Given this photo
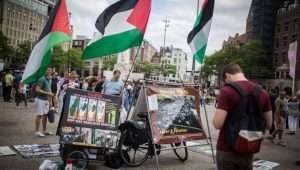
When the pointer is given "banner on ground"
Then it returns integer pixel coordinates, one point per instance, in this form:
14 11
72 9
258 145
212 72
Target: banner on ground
174 113
89 119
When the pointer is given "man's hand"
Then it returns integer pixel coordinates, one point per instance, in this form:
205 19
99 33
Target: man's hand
50 94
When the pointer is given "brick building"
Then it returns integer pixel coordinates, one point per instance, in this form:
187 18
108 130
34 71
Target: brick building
287 30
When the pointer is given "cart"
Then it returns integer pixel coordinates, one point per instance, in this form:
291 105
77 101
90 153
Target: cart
88 129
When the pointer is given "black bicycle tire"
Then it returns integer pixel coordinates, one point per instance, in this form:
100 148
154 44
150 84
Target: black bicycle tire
87 158
124 158
186 153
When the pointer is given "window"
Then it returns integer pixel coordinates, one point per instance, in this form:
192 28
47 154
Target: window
286 26
278 28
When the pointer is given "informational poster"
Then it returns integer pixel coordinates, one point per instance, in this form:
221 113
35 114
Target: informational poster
89 119
176 118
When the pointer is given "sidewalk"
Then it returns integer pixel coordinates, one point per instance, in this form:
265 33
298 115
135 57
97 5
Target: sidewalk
16 127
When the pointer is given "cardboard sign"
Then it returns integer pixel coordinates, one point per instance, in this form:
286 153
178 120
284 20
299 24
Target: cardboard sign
90 119
176 118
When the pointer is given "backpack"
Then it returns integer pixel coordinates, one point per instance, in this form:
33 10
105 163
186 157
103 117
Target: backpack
245 125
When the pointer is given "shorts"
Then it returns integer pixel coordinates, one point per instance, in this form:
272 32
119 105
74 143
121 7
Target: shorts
42 107
280 122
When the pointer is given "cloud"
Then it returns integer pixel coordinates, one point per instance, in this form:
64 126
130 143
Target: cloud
229 18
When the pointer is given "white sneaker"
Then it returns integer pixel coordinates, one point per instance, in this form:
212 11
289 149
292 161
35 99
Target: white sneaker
39 134
48 133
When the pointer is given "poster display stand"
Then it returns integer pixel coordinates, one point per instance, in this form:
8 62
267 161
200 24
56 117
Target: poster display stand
174 114
90 119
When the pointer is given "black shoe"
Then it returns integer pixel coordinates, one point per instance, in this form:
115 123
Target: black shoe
298 163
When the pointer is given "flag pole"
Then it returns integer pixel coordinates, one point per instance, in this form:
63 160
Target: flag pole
194 60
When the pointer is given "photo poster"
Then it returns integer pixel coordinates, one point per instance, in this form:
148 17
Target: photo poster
89 119
175 114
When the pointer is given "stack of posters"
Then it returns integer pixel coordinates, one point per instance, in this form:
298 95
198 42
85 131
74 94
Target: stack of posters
264 165
37 150
6 151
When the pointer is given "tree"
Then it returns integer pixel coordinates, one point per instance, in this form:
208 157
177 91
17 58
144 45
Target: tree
6 51
252 57
22 54
110 63
61 60
169 69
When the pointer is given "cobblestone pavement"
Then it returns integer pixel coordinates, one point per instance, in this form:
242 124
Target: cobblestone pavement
16 127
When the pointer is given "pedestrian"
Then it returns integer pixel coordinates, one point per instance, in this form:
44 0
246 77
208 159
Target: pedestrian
8 83
21 94
293 115
70 81
99 86
273 97
92 83
54 90
43 101
113 86
280 118
229 103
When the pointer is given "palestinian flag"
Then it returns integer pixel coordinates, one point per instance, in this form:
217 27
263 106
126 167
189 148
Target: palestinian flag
198 37
122 25
56 31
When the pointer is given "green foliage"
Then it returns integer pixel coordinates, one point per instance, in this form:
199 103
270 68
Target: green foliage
252 57
61 59
22 54
6 51
143 67
169 69
110 63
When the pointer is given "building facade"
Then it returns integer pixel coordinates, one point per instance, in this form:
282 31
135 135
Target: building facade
287 30
22 20
261 21
146 53
235 42
176 57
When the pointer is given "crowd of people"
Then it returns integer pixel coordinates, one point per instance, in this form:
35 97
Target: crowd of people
49 91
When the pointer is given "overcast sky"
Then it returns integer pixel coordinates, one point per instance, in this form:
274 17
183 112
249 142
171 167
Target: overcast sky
229 18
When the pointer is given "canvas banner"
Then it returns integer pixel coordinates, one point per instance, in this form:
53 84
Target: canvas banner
175 114
293 58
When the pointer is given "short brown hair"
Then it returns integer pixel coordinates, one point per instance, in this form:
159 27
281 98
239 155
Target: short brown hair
117 71
231 69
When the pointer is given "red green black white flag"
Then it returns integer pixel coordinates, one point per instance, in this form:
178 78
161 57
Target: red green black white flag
122 26
56 31
198 37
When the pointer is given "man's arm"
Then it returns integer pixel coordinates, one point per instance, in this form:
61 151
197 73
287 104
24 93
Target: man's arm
39 90
219 118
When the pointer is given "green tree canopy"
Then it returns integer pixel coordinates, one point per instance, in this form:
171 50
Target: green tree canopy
109 64
252 57
61 59
6 51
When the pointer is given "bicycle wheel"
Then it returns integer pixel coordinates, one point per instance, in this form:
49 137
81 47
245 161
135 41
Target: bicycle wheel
79 159
181 153
132 154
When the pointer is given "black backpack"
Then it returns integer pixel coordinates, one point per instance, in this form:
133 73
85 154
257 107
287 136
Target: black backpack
245 125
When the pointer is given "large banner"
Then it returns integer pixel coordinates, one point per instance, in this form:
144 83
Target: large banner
89 119
174 113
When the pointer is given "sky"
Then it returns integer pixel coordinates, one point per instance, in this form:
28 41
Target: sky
229 18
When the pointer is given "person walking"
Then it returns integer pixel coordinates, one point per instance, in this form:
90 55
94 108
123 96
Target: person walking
21 94
228 107
54 90
280 118
8 84
43 101
293 115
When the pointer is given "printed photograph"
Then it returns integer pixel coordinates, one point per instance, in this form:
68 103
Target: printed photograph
100 114
73 107
86 135
83 107
91 116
